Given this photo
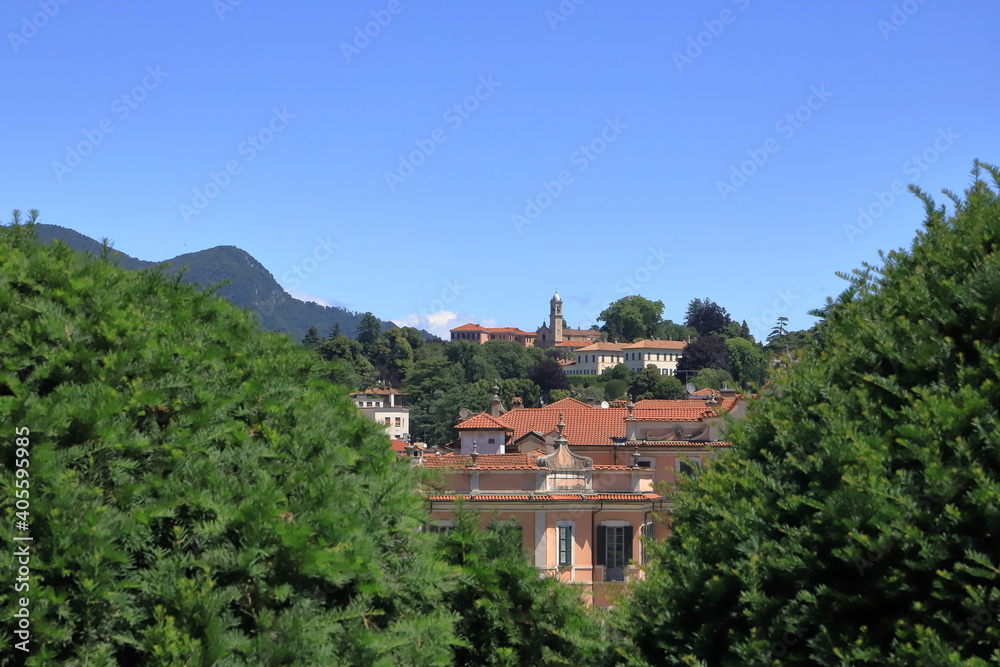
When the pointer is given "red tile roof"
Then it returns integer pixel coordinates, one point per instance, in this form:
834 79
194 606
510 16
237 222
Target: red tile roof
692 413
602 347
469 327
548 497
584 425
725 405
398 445
513 461
582 332
513 330
649 344
484 422
565 403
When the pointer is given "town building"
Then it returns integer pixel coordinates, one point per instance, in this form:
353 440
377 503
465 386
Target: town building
579 479
385 407
475 333
599 357
555 334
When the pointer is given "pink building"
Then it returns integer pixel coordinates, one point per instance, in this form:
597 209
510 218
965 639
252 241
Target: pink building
578 479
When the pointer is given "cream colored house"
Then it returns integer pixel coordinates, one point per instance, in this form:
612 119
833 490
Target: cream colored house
663 354
385 407
595 359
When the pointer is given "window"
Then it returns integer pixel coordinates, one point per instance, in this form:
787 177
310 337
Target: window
565 544
386 421
440 527
614 550
399 421
689 465
491 441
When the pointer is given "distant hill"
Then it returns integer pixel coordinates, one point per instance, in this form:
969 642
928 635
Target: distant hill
250 284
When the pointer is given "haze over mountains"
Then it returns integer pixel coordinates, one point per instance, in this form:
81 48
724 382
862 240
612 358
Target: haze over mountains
250 284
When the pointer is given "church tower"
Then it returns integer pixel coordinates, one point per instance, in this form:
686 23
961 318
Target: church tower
556 318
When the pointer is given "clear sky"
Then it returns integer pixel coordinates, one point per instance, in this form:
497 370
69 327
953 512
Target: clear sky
439 163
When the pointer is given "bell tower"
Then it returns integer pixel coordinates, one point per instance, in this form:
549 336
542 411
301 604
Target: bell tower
556 318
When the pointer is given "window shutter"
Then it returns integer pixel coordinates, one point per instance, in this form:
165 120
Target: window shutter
628 543
602 540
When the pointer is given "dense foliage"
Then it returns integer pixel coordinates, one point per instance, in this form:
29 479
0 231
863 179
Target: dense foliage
508 615
858 519
197 495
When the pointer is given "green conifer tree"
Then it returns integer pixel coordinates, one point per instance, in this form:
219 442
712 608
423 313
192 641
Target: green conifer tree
857 519
198 496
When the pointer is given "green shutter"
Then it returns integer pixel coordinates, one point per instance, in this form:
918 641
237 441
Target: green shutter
602 534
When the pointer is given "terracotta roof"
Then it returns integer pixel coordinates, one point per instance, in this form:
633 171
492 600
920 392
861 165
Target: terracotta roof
469 327
566 403
548 497
656 345
483 422
661 403
680 443
514 461
692 414
584 425
397 445
602 347
574 343
513 330
725 405
581 332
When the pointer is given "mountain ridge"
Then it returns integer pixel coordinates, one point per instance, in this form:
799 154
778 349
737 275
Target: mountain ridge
250 284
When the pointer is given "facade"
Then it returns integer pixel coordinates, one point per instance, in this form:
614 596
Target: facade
664 354
385 406
595 359
599 357
578 479
554 334
479 335
582 522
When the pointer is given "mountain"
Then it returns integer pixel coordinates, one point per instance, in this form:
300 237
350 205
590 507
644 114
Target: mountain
250 285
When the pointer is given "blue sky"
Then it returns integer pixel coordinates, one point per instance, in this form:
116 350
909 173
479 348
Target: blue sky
439 163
